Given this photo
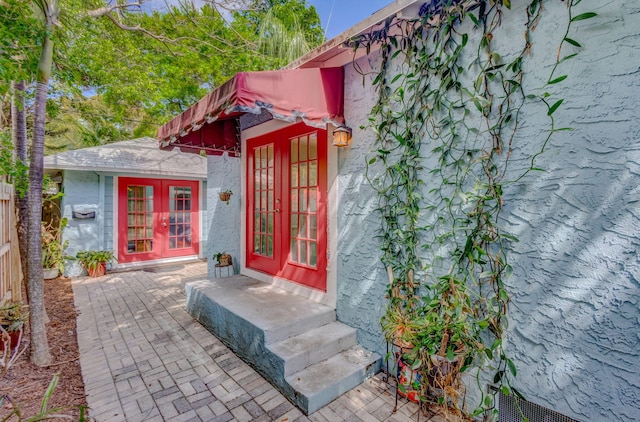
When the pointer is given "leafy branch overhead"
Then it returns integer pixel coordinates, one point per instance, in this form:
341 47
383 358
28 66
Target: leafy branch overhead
121 70
453 94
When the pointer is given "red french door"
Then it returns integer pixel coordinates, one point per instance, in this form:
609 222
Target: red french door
287 205
157 218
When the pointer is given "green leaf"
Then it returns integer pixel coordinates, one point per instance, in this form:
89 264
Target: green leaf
572 41
570 56
497 377
503 295
583 16
474 19
554 107
48 394
417 364
373 160
507 3
517 393
450 354
510 237
512 367
558 79
485 274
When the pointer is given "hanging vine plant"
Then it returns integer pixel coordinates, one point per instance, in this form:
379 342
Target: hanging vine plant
448 111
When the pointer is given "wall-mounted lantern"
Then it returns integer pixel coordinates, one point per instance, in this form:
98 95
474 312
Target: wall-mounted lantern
341 136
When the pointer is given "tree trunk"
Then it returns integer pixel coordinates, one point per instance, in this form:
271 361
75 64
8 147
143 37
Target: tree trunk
40 354
19 117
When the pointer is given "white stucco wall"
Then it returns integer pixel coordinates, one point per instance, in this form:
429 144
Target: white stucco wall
223 221
574 319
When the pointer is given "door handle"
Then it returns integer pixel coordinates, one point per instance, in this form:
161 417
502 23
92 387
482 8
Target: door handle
276 210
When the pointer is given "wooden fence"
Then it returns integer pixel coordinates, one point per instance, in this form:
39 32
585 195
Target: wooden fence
10 272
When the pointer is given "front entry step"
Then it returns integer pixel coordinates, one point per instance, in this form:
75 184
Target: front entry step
303 350
293 342
321 383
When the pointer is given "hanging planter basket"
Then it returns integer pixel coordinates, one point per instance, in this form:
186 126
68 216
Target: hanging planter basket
225 196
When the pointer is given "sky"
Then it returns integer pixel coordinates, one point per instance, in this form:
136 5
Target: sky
340 15
336 15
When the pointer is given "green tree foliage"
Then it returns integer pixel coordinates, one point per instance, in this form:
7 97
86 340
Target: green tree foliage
110 84
20 35
144 79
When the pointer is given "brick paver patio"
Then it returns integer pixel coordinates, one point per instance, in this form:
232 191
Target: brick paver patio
144 358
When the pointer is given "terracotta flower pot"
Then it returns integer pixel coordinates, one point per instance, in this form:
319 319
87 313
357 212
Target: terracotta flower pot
98 271
14 336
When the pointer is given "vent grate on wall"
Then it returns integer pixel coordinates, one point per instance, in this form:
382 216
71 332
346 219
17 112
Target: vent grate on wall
512 409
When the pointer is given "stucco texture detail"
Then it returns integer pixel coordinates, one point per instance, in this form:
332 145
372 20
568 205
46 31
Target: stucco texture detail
361 277
573 320
81 193
109 224
222 220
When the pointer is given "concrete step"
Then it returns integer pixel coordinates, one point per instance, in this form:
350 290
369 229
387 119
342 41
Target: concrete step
320 384
313 346
276 313
295 343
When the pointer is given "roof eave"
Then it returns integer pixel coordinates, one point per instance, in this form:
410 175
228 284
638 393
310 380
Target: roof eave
333 53
120 170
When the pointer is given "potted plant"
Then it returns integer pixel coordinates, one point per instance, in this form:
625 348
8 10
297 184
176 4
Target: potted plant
225 195
95 262
13 315
223 259
53 255
448 340
435 337
400 328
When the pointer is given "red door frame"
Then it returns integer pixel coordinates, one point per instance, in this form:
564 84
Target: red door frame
281 265
160 218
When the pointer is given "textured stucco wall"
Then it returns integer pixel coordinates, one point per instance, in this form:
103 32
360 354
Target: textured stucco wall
361 277
222 221
81 193
108 214
574 318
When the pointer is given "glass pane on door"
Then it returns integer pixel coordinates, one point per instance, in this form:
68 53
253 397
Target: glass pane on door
179 217
264 197
139 219
303 199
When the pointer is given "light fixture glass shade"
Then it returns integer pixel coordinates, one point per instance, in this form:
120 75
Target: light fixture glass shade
341 136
